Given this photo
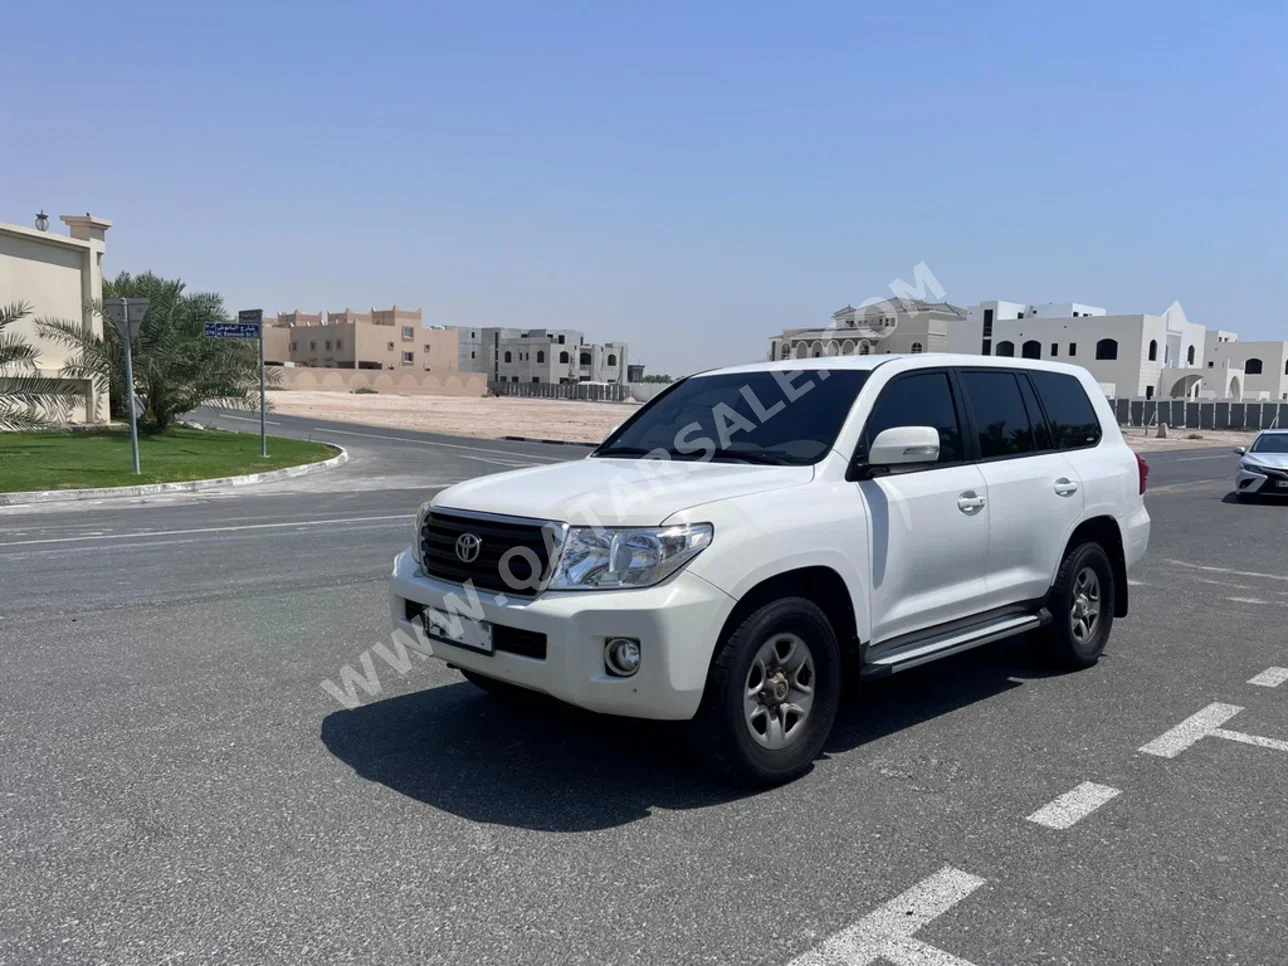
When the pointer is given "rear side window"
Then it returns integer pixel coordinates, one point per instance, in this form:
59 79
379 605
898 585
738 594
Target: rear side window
1001 419
1072 417
920 399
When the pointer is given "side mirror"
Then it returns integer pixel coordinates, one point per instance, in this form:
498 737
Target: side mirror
905 446
898 446
1240 451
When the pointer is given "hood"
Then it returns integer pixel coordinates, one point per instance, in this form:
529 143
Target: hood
1278 461
615 492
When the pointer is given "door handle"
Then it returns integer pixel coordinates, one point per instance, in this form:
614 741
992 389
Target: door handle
970 501
1065 486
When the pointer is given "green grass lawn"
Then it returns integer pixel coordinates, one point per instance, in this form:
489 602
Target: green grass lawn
82 460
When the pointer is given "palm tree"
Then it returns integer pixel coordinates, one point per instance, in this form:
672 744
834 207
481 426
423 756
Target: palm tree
176 368
28 400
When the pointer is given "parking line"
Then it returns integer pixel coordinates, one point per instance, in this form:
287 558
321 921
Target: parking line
1271 677
1191 459
1073 806
136 534
1226 570
886 933
1204 724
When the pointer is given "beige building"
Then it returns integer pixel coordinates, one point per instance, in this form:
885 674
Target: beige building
891 325
380 339
58 276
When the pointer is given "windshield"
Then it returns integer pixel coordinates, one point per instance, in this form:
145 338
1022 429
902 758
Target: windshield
1271 443
777 417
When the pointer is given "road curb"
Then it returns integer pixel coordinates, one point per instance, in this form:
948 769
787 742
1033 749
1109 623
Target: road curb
552 442
186 486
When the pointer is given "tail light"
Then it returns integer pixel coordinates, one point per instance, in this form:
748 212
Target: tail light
1143 468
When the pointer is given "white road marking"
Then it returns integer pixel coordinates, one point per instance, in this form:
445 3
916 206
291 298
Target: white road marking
1227 570
1271 677
1191 459
1247 600
136 534
886 933
1206 723
1073 806
250 419
1190 485
426 442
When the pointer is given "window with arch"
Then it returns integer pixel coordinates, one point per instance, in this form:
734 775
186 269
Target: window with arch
612 359
865 349
563 357
1107 349
541 355
1031 349
1153 350
1189 356
585 358
1005 349
1252 367
916 347
508 357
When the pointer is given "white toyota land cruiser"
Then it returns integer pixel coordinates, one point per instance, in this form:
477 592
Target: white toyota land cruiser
756 533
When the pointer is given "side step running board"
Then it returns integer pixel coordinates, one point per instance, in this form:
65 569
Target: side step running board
953 642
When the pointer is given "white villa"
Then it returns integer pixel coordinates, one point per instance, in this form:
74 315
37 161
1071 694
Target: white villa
1135 356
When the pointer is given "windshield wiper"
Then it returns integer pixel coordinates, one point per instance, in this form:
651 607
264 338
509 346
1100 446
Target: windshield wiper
739 456
622 451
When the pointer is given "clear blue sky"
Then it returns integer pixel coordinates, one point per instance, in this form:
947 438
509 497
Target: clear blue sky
688 177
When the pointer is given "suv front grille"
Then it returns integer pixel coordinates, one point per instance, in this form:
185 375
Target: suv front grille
440 530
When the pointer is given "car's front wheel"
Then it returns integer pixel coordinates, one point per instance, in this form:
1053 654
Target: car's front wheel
1082 606
771 695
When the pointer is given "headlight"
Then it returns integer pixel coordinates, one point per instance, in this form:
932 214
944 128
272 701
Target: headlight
415 535
1251 467
604 558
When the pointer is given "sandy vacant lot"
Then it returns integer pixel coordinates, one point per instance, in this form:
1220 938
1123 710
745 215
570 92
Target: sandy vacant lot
582 421
460 416
1146 441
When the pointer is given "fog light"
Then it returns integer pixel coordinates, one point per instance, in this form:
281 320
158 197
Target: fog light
622 655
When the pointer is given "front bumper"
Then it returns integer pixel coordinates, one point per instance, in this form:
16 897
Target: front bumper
677 624
1270 483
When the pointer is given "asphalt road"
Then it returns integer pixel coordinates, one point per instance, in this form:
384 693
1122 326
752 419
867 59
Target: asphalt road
177 786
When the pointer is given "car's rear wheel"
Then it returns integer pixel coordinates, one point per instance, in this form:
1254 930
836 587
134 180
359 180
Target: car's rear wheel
1082 606
771 695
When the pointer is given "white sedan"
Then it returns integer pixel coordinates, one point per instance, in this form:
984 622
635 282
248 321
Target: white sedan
1263 471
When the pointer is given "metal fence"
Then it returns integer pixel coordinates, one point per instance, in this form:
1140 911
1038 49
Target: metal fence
587 391
1201 414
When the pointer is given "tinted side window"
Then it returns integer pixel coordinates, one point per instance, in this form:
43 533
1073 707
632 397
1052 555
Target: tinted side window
1041 432
921 399
1073 418
1001 420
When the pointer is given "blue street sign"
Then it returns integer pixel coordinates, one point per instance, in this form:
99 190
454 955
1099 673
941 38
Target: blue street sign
232 330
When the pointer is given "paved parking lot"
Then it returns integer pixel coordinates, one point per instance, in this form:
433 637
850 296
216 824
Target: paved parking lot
178 785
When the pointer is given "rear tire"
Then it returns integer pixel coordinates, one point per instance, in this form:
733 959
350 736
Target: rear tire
771 695
1082 607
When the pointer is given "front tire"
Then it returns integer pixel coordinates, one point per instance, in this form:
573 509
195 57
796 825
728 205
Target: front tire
771 695
1082 607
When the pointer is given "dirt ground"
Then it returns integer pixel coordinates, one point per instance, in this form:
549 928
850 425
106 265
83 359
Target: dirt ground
458 415
1146 441
581 421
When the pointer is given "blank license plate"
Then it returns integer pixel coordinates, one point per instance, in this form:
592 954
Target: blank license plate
458 630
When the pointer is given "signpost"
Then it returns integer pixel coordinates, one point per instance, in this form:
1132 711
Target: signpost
249 325
126 315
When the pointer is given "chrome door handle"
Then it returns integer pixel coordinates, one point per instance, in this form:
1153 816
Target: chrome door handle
970 500
1065 486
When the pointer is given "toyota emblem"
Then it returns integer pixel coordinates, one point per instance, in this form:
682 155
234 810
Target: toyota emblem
468 547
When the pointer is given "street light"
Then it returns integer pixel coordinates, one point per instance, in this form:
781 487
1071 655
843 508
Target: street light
42 221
